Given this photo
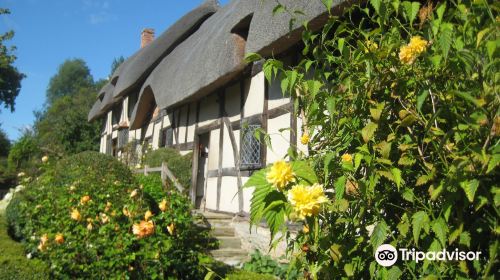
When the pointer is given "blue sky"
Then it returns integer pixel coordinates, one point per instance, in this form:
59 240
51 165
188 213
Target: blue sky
51 31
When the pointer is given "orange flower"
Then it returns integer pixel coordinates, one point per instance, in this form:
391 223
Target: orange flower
143 229
75 215
171 228
84 199
163 205
59 238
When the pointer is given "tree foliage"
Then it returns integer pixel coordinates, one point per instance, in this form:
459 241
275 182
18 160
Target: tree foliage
401 102
10 77
72 76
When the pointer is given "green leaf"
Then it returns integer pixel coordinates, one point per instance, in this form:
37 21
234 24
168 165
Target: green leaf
331 105
278 9
252 57
368 131
210 275
379 234
445 38
418 220
340 187
411 10
470 188
341 42
408 195
422 180
440 228
481 34
326 164
466 96
421 99
349 269
491 47
406 161
455 234
494 161
394 273
335 253
304 172
357 160
396 173
465 239
328 4
376 5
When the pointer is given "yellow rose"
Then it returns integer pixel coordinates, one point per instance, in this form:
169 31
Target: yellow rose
370 46
280 175
125 211
104 218
347 158
163 205
305 229
75 215
410 52
148 215
59 238
90 227
133 193
84 199
307 200
21 174
171 229
305 139
143 229
45 159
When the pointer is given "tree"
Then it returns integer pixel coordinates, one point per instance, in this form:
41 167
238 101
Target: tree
72 76
4 143
116 62
10 77
64 128
23 152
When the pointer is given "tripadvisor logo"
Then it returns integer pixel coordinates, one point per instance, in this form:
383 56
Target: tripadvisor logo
387 255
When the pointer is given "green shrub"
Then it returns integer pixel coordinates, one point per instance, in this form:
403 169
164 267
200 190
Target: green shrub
90 208
247 275
15 216
151 184
179 165
13 262
265 264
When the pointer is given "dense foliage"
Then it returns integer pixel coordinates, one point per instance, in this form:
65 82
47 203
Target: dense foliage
72 76
88 217
10 77
401 115
179 165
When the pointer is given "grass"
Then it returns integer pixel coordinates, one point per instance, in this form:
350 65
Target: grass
13 261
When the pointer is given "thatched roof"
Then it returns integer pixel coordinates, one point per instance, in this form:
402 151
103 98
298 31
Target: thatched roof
138 68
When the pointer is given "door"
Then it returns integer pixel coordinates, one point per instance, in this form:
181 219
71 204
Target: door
202 170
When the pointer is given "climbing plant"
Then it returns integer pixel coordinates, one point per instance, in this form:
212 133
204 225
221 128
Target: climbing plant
400 105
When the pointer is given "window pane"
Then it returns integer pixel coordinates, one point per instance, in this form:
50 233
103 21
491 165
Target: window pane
250 147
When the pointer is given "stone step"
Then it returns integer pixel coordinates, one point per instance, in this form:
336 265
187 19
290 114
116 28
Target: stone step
219 222
223 231
216 216
229 253
229 243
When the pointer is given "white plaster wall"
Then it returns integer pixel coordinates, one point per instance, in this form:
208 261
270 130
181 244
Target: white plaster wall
182 125
102 147
229 195
247 195
213 150
254 102
167 120
280 141
114 134
276 97
149 130
232 102
156 135
185 152
109 122
209 110
124 116
227 152
211 193
192 123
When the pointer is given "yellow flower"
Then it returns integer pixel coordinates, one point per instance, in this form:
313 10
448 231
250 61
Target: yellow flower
21 174
305 229
44 239
90 226
125 211
84 199
45 159
347 158
104 218
72 188
171 228
163 205
305 139
410 52
280 175
133 193
148 215
143 229
59 238
75 215
306 200
370 46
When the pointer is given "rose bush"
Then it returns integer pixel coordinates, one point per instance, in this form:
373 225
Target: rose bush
88 217
400 107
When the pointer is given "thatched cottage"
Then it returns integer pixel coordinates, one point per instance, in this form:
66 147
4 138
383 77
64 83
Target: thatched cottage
191 89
